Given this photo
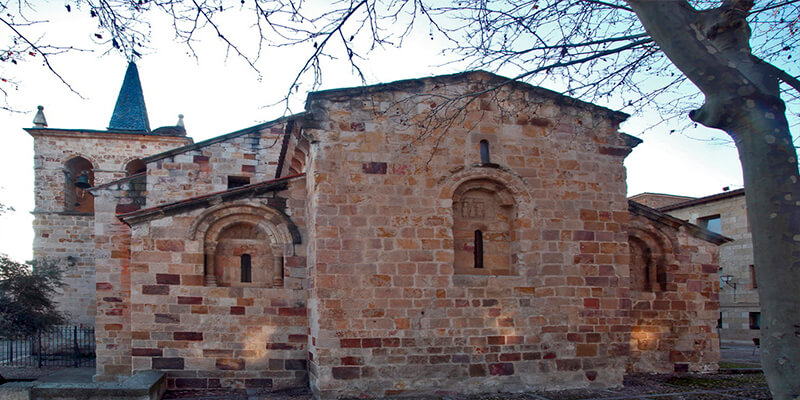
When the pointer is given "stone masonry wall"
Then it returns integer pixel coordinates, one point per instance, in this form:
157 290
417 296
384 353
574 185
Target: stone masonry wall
207 337
736 259
206 169
388 314
66 237
674 324
113 276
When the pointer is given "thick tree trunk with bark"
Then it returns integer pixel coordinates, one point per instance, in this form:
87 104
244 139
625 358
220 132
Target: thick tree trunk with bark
742 98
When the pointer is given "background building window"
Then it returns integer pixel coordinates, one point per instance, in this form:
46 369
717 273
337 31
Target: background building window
753 276
755 320
712 223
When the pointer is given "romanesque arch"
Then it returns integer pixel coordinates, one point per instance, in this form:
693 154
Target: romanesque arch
244 244
651 252
78 176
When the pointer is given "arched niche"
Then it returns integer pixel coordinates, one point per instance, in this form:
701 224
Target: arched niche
649 256
240 238
78 176
483 212
135 166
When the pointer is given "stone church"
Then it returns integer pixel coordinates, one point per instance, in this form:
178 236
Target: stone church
458 233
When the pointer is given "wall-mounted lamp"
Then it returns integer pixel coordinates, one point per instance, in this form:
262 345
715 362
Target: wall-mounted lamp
728 280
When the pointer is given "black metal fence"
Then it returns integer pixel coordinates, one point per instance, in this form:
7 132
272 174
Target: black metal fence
63 346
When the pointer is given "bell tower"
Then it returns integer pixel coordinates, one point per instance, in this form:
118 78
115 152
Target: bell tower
67 162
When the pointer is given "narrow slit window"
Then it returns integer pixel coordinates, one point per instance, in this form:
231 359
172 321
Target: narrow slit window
755 320
247 270
753 276
478 249
485 152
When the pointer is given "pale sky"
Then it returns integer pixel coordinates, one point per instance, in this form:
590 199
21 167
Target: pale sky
218 96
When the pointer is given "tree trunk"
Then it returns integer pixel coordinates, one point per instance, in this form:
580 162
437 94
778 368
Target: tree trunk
742 98
769 167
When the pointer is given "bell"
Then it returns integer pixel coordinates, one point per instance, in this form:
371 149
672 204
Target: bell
82 182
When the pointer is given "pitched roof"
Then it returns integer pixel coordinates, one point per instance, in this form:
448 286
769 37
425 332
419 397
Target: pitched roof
206 200
220 138
130 112
666 219
703 200
418 83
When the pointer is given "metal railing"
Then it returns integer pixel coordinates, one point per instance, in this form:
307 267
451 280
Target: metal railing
62 346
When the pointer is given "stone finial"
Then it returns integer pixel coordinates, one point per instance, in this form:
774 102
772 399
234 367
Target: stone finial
39 121
180 121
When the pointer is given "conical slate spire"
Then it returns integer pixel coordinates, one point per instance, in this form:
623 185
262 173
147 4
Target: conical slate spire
130 113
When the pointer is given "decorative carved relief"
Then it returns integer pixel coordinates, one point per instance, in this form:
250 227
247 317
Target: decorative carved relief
482 214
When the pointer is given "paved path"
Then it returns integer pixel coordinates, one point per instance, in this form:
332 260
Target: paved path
636 387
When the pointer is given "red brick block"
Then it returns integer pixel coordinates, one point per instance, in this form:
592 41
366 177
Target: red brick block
370 342
200 159
190 300
191 383
167 319
568 364
167 363
113 327
214 353
249 168
125 208
352 361
236 310
280 346
155 289
346 373
390 342
660 304
193 336
586 350
374 168
591 375
292 311
501 369
460 358
510 357
515 339
710 268
168 279
533 355
496 340
350 343
477 370
144 352
112 299
230 364
298 338
99 286
258 383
